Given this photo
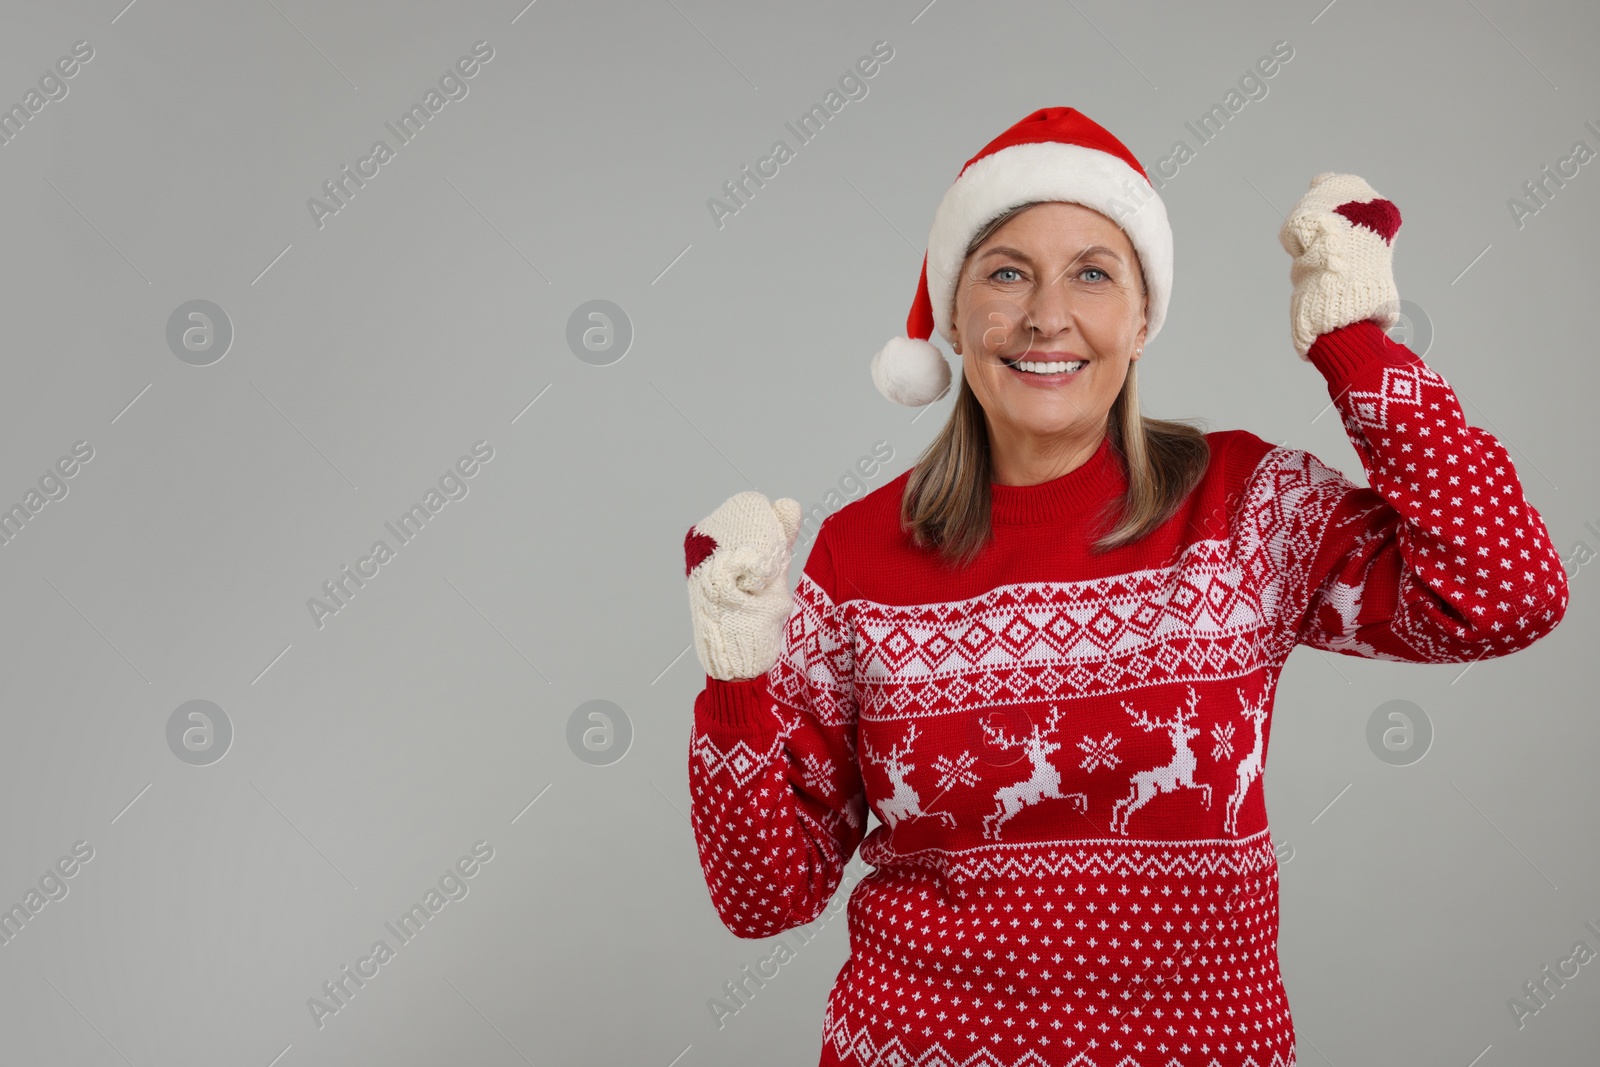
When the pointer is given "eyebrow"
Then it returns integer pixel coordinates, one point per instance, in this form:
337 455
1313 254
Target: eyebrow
1016 253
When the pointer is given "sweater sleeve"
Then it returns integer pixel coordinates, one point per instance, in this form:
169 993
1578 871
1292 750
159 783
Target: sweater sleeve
777 802
1442 560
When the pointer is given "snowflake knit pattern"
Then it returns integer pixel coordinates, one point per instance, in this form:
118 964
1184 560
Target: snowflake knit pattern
1064 752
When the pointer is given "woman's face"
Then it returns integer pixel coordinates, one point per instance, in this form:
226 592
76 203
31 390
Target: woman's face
1056 282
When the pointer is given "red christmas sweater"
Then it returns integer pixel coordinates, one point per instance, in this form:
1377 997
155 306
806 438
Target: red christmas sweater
1064 752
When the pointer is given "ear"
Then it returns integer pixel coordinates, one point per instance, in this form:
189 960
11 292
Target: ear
1144 328
955 324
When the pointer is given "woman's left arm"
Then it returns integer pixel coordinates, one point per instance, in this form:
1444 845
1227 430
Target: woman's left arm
1443 559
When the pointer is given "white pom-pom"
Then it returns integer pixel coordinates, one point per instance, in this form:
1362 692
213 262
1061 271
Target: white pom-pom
910 372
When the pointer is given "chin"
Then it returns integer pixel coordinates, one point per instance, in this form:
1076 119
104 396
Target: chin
1045 421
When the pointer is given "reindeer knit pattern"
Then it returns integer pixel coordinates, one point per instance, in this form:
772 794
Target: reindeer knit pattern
1065 751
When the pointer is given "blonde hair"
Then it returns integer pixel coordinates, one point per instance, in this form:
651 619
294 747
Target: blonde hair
946 501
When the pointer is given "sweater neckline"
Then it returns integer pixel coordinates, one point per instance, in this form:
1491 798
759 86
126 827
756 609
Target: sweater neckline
1081 490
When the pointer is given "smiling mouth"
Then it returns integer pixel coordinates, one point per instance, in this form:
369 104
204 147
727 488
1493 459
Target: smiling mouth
1025 366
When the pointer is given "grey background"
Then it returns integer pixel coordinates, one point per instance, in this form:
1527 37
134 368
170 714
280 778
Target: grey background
368 356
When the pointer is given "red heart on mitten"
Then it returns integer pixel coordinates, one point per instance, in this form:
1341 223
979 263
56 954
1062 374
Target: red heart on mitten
696 547
1380 216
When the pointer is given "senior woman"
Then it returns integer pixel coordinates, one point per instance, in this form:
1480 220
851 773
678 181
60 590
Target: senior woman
1045 656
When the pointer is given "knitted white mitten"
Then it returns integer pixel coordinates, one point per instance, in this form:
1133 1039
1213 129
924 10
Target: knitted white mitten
737 560
1341 235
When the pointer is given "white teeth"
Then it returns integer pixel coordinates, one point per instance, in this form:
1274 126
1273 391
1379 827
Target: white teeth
1051 368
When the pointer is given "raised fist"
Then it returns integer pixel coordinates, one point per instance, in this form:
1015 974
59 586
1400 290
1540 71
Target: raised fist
1341 235
736 560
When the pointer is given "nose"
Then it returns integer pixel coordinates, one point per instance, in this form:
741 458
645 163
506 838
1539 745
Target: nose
1049 306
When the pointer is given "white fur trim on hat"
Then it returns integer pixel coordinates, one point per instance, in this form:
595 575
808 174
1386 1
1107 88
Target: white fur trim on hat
1049 171
910 372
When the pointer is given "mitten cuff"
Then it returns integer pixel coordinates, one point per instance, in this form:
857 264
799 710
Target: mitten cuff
1330 301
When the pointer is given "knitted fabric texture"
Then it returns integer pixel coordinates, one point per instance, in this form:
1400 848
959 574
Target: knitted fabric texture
1341 234
1064 752
735 560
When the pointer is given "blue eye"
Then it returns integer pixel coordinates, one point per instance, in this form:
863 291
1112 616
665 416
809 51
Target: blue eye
1014 270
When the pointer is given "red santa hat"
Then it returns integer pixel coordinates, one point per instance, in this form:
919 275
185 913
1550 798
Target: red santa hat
1056 153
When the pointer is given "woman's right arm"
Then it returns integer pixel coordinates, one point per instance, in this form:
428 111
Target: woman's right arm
776 797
